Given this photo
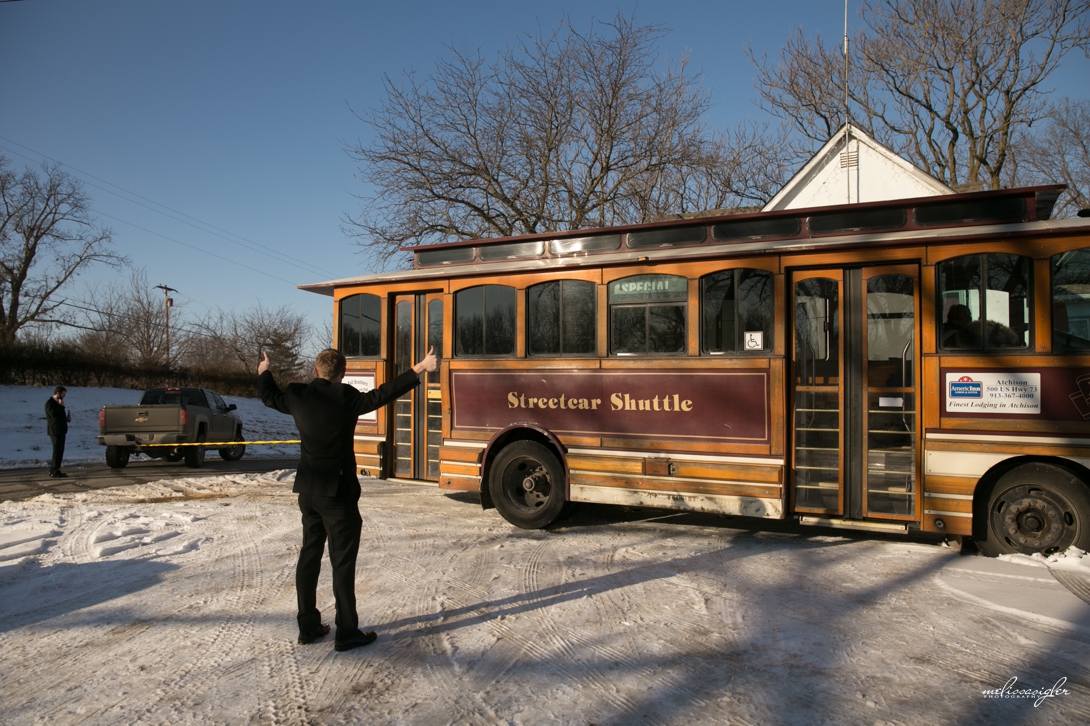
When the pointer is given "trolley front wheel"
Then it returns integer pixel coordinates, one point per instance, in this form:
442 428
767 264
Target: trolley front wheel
527 485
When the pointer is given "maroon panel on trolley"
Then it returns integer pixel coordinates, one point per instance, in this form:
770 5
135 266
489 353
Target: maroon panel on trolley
727 406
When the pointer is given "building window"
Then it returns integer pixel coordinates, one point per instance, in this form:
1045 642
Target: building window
737 309
984 302
361 326
1071 301
561 318
485 321
647 315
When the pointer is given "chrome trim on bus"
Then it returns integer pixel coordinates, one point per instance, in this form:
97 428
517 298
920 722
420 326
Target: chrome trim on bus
965 497
362 437
945 513
684 501
671 479
1000 438
466 444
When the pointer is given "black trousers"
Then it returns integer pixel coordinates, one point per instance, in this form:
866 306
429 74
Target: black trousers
338 520
58 453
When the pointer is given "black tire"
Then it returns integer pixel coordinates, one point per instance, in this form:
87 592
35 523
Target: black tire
233 453
194 455
527 485
1037 507
117 457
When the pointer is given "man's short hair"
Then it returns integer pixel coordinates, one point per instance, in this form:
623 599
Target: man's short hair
59 389
330 363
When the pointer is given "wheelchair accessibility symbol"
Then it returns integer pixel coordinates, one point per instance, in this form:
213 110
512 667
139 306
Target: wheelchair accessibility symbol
754 340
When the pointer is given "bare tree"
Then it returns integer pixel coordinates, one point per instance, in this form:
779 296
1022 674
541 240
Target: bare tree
281 332
129 322
564 130
1060 153
948 83
47 236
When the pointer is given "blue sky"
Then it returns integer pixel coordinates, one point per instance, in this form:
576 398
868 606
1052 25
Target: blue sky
235 113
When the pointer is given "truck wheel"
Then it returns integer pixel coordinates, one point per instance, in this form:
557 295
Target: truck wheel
194 455
527 485
233 453
117 457
1037 507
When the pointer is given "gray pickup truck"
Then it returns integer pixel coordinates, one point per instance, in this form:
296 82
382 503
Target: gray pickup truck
170 416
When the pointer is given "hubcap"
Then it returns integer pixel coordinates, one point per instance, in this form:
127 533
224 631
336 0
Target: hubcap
1033 519
528 481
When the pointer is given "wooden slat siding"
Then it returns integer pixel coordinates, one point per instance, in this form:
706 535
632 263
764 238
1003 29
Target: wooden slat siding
460 453
673 486
611 464
674 446
848 258
581 442
707 362
520 323
948 485
1036 248
682 469
778 403
692 317
729 472
1042 306
928 312
457 469
964 506
954 525
1005 425
459 484
484 436
1010 448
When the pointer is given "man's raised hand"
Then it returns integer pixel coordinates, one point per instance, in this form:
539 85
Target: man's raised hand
430 363
264 364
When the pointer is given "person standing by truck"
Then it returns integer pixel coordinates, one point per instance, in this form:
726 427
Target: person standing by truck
57 420
325 412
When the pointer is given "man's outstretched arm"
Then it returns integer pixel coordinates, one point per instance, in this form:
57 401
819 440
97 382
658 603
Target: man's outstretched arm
270 393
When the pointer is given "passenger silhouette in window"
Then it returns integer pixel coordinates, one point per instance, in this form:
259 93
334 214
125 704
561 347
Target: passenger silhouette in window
958 331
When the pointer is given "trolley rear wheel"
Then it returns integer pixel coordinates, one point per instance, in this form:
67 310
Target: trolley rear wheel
1037 507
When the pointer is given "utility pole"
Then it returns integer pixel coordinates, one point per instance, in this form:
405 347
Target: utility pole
168 303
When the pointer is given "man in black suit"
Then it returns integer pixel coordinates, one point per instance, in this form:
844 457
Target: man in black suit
57 420
325 412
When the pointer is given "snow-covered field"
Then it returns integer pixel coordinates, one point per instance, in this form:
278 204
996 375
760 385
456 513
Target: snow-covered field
173 602
24 442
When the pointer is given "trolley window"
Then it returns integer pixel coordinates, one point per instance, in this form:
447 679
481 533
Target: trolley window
361 326
648 315
485 321
737 308
985 302
561 318
1071 301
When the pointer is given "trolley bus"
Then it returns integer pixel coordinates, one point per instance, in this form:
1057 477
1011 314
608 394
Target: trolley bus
919 365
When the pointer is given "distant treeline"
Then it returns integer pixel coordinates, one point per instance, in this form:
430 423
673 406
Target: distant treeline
63 363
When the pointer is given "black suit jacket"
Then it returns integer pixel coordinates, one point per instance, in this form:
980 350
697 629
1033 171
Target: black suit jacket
325 414
56 418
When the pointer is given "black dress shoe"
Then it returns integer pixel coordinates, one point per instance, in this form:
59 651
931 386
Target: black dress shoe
308 638
357 641
57 474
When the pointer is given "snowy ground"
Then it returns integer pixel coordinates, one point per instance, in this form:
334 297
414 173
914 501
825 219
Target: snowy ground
174 602
24 442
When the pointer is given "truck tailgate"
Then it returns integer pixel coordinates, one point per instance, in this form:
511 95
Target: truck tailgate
156 418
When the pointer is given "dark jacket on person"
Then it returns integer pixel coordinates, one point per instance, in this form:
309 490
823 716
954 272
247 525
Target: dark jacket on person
56 418
325 414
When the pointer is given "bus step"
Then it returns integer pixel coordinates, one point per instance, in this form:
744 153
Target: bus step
853 524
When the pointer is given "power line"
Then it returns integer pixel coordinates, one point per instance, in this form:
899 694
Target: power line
245 243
